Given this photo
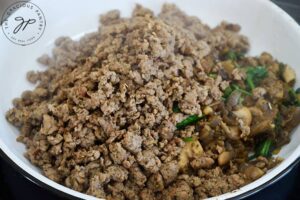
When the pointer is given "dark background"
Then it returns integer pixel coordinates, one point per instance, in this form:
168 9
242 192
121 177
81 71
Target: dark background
13 186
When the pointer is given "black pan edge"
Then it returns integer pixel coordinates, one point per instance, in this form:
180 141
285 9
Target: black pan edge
68 196
35 180
268 183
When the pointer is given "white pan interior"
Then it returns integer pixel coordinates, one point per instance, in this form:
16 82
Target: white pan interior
268 27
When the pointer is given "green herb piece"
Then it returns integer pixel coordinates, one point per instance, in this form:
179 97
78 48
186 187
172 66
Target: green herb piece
212 75
234 56
278 123
298 91
192 119
176 108
292 98
263 149
231 55
237 65
252 157
241 100
227 92
188 139
255 75
250 82
236 87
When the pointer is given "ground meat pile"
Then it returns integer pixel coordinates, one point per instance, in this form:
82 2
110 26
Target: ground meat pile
103 118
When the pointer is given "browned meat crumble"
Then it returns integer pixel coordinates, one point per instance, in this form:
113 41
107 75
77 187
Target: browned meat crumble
101 119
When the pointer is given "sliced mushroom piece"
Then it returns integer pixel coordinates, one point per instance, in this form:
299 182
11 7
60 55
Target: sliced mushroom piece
228 66
202 162
223 74
256 112
257 115
289 74
229 118
224 158
208 110
225 127
294 120
264 105
265 58
244 114
275 89
253 172
191 149
232 132
262 127
233 99
215 121
259 92
205 133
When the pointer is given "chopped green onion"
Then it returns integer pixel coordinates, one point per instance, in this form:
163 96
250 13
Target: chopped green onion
212 75
252 157
192 119
263 149
227 92
236 87
231 55
176 108
241 100
292 99
187 139
298 91
255 75
250 82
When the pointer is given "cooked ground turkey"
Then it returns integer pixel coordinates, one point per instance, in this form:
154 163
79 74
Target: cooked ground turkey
101 119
